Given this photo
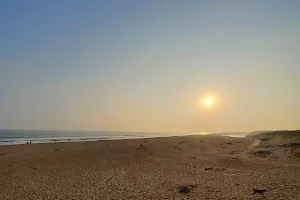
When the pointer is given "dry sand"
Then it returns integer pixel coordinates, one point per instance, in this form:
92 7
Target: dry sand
212 167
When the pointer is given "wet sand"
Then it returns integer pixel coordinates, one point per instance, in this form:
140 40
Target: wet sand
212 167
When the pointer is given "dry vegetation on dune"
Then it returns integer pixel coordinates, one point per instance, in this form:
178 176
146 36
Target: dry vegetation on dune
190 167
284 135
277 144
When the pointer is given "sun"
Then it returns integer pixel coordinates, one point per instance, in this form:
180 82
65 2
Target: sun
207 102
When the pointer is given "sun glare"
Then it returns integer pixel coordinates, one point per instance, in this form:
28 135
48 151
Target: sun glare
207 101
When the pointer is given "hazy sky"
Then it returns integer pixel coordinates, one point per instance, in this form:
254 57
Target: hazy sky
144 65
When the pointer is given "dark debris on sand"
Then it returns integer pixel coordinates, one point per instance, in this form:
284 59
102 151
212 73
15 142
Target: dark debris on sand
183 189
186 188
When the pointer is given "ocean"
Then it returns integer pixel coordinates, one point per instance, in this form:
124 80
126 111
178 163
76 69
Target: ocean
13 137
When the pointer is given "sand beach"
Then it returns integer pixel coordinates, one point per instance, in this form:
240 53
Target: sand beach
211 167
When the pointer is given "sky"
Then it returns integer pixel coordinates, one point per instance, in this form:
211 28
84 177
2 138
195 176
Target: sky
141 65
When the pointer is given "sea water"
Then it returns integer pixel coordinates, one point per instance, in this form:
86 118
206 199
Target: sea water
12 137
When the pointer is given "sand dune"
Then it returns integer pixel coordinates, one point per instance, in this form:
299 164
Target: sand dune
212 167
